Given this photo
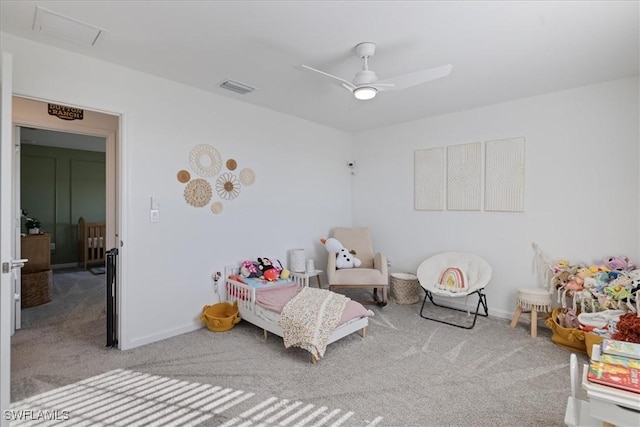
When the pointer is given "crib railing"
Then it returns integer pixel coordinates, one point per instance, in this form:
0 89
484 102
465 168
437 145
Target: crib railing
91 241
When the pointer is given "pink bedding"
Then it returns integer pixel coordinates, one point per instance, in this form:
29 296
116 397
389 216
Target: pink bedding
274 298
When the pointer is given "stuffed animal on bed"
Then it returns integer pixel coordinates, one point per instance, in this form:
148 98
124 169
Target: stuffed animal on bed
268 270
284 273
344 257
248 269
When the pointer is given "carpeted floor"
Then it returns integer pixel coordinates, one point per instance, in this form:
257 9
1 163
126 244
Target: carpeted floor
97 270
406 372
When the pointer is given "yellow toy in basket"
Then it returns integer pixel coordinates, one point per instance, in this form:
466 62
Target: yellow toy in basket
220 317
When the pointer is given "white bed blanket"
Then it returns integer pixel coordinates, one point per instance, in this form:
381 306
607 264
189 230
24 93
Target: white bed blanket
309 318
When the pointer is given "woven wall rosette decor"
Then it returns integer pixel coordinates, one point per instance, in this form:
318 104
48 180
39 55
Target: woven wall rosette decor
206 162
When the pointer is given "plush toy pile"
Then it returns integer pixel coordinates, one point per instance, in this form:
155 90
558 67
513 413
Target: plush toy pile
611 285
600 300
265 269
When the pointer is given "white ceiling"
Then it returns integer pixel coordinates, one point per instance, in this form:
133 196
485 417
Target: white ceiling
500 51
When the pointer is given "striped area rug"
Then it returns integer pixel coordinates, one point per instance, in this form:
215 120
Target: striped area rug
126 398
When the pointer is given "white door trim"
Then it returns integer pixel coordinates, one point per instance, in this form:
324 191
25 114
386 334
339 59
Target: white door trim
31 112
6 230
15 219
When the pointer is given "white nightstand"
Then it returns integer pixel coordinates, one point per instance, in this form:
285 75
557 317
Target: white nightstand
307 276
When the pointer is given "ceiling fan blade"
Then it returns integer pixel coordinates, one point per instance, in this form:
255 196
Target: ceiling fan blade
350 88
345 83
416 78
382 86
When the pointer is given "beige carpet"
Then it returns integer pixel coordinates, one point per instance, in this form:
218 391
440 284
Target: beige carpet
406 372
131 399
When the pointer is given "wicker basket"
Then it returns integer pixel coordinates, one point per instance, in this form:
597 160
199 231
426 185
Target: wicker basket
220 317
36 288
569 338
405 288
591 339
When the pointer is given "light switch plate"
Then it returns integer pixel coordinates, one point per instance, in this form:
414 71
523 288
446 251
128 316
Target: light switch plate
154 215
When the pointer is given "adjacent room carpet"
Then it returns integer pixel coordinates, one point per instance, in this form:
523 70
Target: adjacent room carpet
97 270
408 371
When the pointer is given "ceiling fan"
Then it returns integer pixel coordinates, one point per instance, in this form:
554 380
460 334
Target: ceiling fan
366 84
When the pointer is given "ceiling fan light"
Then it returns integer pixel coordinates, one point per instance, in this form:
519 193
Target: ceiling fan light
365 92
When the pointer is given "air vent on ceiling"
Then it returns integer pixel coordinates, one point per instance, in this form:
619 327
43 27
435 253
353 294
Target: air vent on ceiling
236 87
55 24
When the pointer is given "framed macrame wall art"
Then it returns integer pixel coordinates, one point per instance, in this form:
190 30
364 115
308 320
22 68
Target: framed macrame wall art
464 177
456 174
428 179
504 175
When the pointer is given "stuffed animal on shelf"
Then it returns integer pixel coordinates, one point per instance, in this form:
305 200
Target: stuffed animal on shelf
561 265
584 272
619 263
598 268
344 257
561 278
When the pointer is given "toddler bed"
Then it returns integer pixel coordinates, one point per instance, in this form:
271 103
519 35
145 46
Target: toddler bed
263 306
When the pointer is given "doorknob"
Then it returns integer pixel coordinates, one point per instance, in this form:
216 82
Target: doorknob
18 263
14 263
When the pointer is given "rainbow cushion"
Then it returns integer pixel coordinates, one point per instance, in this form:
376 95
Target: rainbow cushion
453 279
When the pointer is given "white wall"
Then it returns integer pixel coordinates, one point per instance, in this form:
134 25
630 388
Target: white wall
582 185
301 189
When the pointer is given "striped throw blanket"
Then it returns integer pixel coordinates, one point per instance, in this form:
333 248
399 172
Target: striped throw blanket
310 318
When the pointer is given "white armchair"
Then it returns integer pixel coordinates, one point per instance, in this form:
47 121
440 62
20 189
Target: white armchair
443 275
371 274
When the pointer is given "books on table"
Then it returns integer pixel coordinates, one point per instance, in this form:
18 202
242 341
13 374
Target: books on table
620 360
621 348
619 366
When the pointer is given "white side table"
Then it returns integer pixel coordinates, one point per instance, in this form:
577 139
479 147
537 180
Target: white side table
307 275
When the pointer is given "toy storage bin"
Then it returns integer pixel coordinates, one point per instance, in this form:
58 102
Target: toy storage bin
591 339
220 317
569 338
36 288
405 288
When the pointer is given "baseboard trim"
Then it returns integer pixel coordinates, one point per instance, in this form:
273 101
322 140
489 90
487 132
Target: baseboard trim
137 342
67 265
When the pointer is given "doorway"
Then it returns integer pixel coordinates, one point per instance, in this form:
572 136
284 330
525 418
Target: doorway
35 118
62 190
